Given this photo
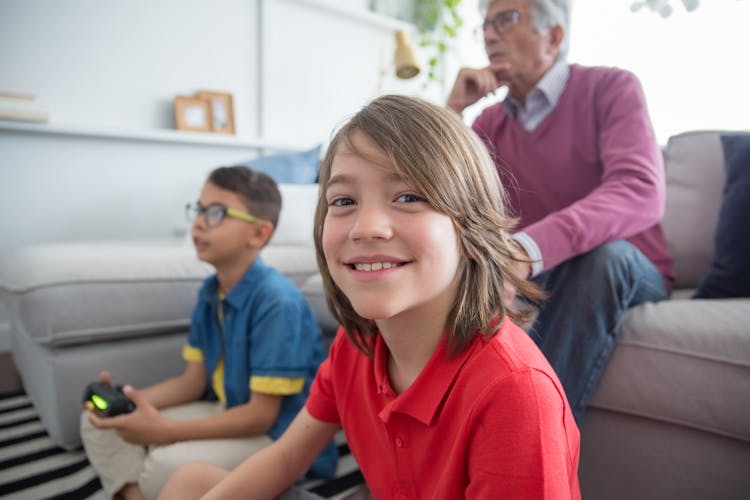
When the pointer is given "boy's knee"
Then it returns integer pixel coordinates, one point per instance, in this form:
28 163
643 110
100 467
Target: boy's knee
179 480
160 464
84 421
87 429
191 480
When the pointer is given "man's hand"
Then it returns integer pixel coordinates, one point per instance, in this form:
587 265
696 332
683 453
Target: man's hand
470 86
521 268
146 425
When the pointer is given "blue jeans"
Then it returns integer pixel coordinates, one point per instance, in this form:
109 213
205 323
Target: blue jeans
579 322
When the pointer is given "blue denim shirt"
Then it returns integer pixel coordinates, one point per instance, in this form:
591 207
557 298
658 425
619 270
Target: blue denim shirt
269 330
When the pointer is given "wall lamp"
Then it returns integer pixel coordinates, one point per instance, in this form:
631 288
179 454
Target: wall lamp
405 58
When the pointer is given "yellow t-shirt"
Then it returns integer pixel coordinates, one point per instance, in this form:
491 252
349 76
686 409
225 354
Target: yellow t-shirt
280 386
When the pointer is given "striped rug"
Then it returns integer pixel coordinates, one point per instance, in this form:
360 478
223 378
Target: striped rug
32 467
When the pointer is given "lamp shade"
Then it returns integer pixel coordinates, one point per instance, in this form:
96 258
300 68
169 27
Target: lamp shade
405 59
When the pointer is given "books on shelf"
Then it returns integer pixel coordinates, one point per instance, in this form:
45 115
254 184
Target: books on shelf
22 107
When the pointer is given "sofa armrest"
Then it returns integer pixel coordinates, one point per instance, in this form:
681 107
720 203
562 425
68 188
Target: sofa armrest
684 362
72 293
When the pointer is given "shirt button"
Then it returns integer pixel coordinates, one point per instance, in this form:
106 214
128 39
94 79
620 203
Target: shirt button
399 442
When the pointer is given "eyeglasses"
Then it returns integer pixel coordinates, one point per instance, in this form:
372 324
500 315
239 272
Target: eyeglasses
501 23
214 213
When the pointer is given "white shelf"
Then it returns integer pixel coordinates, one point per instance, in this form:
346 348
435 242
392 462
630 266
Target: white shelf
359 14
153 135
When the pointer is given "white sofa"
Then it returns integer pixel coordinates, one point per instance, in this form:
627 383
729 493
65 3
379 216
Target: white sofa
78 308
671 418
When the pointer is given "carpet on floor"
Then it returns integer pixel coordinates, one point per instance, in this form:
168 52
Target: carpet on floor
33 467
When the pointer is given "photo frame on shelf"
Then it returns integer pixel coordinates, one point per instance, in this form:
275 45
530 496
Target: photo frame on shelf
222 110
192 114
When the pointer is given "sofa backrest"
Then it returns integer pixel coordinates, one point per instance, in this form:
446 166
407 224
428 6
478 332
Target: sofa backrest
295 227
695 175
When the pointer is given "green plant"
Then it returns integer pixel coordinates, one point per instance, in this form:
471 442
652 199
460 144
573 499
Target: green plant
438 22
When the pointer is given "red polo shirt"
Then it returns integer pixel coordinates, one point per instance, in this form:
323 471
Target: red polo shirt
492 422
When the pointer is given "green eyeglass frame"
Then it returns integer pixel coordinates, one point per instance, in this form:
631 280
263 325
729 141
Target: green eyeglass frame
214 213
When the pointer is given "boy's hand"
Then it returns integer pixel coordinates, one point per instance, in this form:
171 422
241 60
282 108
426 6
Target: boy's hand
105 377
146 425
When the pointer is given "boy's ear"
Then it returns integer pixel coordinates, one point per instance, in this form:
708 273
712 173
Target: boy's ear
260 233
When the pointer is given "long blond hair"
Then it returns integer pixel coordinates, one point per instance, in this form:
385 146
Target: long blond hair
433 151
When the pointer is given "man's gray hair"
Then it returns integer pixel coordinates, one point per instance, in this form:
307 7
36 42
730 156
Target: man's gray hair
544 15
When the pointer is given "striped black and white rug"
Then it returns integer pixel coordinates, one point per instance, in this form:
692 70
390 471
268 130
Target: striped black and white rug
32 467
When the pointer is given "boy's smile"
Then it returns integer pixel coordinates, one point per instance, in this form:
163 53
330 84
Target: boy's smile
387 249
369 269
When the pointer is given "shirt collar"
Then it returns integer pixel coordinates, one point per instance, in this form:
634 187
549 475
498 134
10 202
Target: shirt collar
422 400
238 295
550 87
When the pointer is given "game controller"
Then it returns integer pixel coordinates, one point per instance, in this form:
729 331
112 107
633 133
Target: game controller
107 400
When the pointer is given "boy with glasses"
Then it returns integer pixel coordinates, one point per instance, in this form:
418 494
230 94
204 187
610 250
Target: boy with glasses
254 345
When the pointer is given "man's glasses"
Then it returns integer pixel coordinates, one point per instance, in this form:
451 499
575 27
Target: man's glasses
214 213
501 23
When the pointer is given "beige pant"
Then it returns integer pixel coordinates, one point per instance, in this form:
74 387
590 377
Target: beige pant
118 462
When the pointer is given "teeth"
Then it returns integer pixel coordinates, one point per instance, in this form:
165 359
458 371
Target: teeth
375 266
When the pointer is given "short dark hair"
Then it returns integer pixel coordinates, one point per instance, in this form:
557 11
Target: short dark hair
258 191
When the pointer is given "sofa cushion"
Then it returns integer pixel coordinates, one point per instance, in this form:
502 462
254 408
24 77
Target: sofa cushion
289 168
71 293
699 353
729 274
295 226
296 261
695 178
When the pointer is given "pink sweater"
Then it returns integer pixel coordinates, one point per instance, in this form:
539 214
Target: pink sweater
590 173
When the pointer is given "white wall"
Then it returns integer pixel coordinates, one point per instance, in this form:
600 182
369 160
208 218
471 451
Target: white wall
109 165
320 68
115 67
71 188
110 63
691 64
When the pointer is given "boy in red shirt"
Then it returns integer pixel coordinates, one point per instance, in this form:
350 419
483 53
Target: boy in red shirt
439 393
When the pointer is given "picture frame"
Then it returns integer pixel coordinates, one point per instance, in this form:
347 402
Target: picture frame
222 110
192 114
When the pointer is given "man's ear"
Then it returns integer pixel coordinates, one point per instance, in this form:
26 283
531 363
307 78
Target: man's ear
260 233
555 38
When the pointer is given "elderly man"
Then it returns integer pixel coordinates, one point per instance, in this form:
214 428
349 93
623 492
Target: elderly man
576 152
